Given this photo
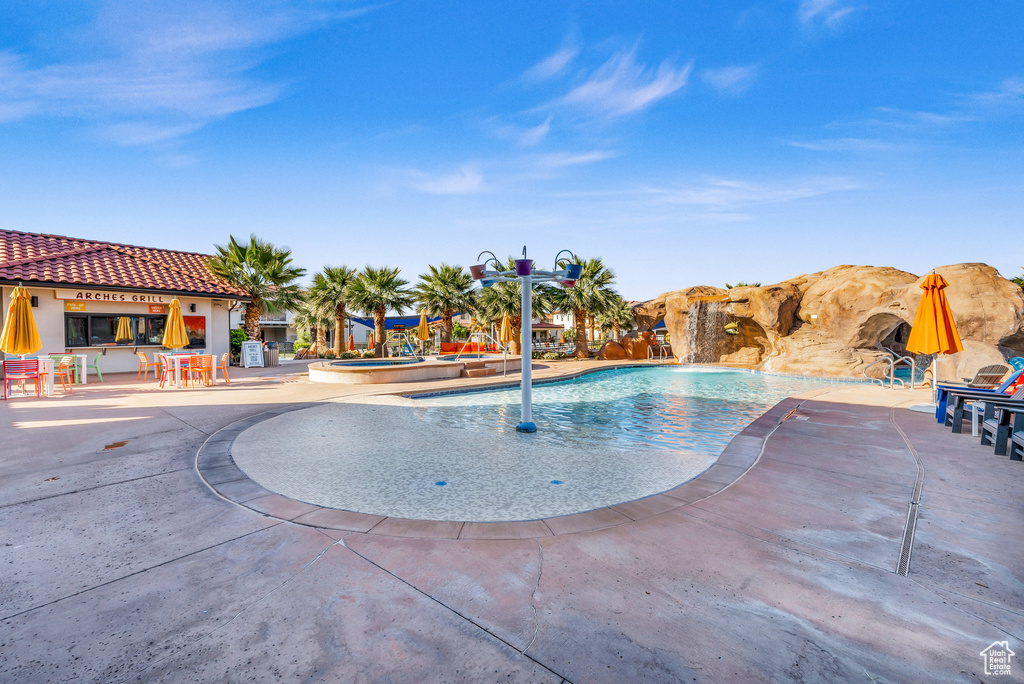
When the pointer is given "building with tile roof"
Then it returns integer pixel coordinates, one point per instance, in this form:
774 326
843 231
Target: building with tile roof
81 289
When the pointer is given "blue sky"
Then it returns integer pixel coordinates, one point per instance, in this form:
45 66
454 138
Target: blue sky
685 142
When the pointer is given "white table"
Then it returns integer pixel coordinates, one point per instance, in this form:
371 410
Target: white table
175 360
45 366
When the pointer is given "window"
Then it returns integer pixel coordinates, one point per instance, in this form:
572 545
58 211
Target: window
100 330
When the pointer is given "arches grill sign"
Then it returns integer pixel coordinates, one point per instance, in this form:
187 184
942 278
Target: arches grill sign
110 296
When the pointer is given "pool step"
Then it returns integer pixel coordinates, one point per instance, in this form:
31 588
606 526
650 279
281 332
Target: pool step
478 372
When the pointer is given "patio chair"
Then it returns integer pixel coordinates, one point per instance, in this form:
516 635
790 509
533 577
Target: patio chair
225 361
22 370
201 368
145 364
167 371
65 370
1002 419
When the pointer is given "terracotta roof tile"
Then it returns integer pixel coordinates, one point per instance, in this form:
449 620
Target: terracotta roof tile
59 260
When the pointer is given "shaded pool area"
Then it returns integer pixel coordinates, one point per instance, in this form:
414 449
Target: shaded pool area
604 438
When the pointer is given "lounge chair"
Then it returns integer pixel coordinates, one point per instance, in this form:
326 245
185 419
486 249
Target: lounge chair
963 400
1015 446
1002 419
982 381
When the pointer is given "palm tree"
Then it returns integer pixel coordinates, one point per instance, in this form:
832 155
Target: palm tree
590 297
506 299
375 291
330 292
444 291
263 272
1019 280
618 316
315 316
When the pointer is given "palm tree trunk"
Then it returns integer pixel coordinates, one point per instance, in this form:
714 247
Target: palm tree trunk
446 326
579 317
339 329
515 346
378 333
321 340
615 330
252 319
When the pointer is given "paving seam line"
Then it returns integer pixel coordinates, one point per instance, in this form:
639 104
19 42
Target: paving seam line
454 611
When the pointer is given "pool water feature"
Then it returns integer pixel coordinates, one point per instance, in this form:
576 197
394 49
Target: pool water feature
377 362
604 438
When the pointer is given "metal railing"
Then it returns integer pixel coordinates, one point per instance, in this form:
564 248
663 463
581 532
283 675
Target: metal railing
662 353
889 371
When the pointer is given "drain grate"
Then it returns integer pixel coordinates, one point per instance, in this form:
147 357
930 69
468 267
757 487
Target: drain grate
903 565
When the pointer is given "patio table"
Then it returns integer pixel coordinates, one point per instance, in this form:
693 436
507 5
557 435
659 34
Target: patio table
175 360
80 361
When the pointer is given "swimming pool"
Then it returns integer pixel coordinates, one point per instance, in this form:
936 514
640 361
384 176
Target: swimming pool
658 407
365 363
603 439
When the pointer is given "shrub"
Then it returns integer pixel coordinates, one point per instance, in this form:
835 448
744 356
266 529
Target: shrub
554 356
368 355
349 355
328 354
238 336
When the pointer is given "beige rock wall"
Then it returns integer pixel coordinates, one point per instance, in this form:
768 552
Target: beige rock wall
832 322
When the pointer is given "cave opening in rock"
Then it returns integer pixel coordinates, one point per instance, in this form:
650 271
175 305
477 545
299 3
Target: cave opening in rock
884 331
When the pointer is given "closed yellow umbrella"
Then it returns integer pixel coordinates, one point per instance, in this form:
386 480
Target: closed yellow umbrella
423 333
506 330
175 334
20 335
124 330
934 330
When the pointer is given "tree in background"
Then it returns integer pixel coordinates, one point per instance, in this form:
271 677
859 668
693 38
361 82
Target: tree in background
263 272
741 284
1019 279
330 292
618 316
443 292
506 299
592 294
376 291
315 316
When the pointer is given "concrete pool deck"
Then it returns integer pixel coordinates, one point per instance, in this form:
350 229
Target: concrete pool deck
120 564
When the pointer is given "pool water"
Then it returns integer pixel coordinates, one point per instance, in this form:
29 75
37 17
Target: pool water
676 408
380 362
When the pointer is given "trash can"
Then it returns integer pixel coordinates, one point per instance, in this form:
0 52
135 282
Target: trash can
270 357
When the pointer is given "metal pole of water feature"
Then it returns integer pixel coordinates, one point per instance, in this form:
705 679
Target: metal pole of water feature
525 275
526 423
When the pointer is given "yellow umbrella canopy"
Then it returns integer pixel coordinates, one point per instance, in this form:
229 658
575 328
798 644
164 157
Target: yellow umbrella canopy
20 335
934 330
124 330
506 330
423 333
175 334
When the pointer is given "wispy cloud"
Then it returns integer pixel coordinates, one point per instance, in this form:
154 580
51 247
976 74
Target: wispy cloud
1010 91
533 136
160 72
467 180
728 193
827 12
554 64
844 145
563 159
620 86
732 79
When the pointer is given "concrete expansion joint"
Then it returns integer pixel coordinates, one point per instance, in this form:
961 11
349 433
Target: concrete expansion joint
449 608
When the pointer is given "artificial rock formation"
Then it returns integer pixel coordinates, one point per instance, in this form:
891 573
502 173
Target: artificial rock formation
835 322
633 346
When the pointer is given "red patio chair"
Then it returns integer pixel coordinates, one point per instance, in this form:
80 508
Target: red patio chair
21 370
